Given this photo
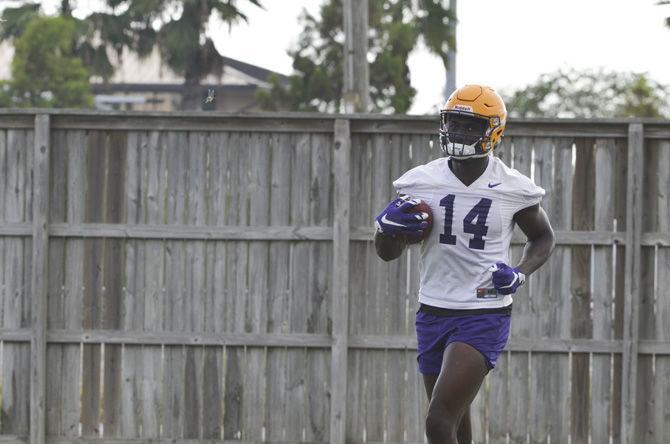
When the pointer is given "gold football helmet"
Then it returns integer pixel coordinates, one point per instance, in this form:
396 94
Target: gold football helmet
472 122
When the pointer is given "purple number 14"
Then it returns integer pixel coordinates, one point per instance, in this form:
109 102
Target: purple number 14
474 222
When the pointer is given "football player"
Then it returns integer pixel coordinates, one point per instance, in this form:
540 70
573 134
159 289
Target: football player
467 280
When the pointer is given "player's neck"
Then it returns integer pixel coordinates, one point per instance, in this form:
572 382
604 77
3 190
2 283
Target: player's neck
468 170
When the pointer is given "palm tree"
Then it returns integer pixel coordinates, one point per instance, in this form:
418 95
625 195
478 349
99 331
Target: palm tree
179 30
177 27
16 19
395 26
667 20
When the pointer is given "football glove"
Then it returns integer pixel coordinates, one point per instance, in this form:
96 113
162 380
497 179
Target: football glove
395 220
506 279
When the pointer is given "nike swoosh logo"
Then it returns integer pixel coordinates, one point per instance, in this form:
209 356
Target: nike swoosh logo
386 221
492 185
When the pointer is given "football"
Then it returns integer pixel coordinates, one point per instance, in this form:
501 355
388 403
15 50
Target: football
423 207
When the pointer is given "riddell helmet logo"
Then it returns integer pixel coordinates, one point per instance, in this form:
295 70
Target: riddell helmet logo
462 108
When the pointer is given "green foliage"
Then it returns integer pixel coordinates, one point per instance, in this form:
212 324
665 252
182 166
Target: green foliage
179 30
45 70
94 55
390 88
177 27
15 20
6 94
395 27
667 20
437 25
590 94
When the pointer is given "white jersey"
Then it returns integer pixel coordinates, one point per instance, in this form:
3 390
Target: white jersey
472 230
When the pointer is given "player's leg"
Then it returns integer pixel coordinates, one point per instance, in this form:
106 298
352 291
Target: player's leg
429 381
464 432
432 336
462 373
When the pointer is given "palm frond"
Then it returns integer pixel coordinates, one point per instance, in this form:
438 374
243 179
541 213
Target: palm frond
16 19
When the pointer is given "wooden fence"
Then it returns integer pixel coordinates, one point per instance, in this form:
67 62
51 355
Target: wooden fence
185 277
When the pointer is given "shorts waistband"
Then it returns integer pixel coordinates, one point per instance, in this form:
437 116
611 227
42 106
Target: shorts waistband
439 311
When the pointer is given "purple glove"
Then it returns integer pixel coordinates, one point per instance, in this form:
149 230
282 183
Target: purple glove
506 279
394 219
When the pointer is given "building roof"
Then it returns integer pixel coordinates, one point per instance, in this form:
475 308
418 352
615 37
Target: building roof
253 70
132 69
107 88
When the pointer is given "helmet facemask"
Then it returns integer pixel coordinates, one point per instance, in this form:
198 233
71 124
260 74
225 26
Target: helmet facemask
464 134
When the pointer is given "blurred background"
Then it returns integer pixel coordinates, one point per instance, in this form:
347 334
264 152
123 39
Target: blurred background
570 59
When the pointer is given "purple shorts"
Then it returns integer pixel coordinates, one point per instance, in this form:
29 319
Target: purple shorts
487 333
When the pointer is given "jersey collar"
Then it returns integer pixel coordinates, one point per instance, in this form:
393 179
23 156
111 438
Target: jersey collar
450 174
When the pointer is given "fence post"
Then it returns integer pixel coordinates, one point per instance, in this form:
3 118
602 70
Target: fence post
340 294
632 280
40 245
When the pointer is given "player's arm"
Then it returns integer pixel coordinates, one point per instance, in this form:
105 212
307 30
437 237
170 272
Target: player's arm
534 223
388 247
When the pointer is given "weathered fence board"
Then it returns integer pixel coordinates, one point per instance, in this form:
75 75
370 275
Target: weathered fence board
16 300
173 359
319 304
276 413
602 290
56 283
199 302
662 291
520 390
297 424
634 280
583 209
39 276
550 304
73 292
147 360
130 391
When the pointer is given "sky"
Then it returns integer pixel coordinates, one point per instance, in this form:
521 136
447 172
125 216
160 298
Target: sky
506 44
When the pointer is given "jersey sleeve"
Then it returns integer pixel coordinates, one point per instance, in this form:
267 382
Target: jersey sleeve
420 182
526 195
409 183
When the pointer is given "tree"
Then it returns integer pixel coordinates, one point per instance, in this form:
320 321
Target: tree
590 94
394 29
177 27
437 25
15 20
179 30
45 70
91 36
667 20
